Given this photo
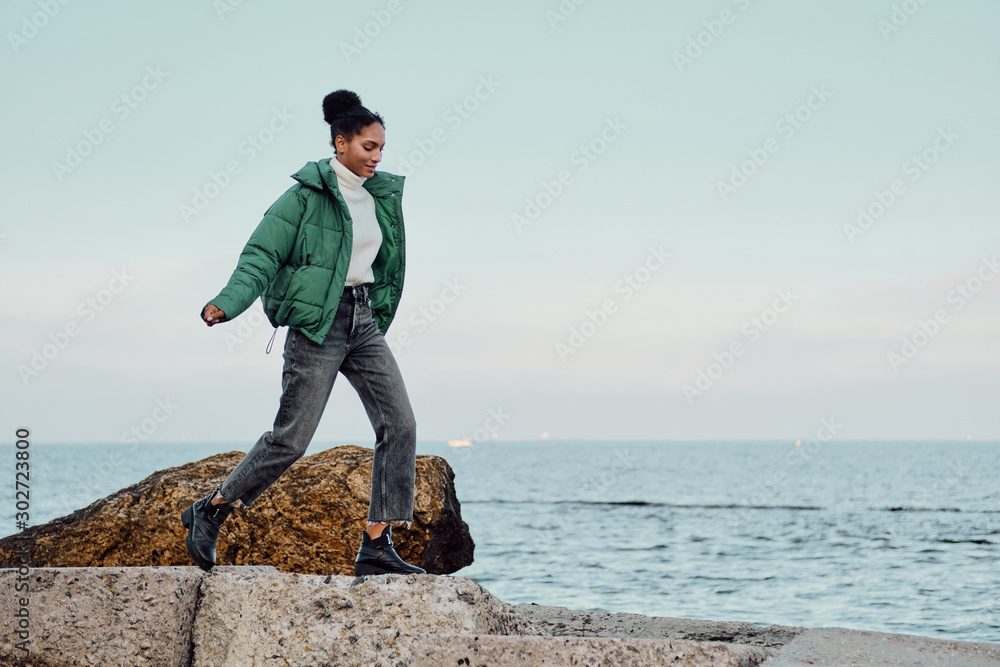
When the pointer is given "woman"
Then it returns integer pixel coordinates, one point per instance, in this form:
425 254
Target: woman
328 258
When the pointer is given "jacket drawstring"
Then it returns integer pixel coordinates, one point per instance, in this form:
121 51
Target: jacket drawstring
268 350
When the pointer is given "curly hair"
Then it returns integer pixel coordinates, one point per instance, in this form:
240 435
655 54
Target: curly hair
343 110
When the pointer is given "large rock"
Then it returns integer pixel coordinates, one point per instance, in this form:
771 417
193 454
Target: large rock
245 616
309 521
309 620
842 646
112 616
576 652
562 622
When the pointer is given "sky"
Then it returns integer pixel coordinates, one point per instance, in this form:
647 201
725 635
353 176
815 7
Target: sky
733 219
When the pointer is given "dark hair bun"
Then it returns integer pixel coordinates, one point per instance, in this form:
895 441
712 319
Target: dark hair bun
338 102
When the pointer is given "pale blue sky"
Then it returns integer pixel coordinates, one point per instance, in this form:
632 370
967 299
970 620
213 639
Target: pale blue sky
675 133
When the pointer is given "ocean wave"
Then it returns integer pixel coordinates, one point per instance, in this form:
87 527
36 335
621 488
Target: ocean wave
715 506
904 508
640 503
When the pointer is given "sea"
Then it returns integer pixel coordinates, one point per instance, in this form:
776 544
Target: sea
897 536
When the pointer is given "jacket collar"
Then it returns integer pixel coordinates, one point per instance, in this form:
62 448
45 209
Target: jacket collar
319 175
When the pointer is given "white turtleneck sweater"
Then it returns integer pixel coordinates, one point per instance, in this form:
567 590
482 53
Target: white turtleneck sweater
367 233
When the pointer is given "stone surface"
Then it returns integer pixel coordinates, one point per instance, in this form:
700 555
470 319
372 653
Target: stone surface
483 650
243 616
110 616
563 622
843 647
307 620
309 521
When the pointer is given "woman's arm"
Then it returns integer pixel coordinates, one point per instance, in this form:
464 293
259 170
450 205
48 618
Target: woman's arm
268 248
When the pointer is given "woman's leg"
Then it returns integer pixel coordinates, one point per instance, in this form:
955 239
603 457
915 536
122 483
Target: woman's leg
372 370
306 383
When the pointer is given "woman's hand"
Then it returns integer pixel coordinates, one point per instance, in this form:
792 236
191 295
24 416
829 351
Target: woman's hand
212 315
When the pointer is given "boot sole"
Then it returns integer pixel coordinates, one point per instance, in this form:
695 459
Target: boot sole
187 520
365 569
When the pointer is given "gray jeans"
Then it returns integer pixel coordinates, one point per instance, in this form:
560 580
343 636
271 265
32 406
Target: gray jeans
355 347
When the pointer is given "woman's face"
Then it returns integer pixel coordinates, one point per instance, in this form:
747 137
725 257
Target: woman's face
362 153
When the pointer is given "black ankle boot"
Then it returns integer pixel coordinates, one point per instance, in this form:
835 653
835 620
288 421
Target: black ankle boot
378 557
203 521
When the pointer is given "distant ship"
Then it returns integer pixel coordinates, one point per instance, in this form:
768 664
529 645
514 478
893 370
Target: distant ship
459 443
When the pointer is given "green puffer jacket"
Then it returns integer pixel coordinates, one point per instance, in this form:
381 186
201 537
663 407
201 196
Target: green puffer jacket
298 256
